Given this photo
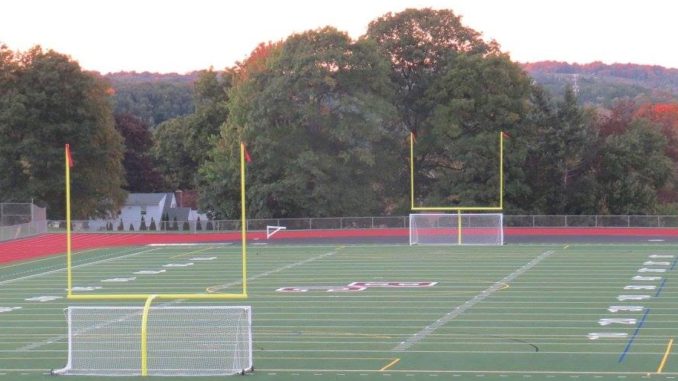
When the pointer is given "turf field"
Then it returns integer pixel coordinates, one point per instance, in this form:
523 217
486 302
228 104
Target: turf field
380 312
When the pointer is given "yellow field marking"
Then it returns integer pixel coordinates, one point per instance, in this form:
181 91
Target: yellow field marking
566 246
192 252
504 287
395 361
666 356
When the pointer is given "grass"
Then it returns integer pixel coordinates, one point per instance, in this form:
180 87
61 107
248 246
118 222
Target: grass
504 313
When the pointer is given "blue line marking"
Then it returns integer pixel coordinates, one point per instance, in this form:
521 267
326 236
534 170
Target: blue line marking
633 337
673 266
661 287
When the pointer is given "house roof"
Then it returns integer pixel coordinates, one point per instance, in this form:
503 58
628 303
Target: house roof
144 199
180 213
168 202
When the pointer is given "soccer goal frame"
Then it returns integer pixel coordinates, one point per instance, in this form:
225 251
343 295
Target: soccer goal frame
170 340
500 190
211 292
448 229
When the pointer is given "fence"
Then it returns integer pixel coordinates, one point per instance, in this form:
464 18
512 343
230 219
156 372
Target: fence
19 220
343 223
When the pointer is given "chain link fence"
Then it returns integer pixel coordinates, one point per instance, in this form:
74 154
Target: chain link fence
18 220
344 223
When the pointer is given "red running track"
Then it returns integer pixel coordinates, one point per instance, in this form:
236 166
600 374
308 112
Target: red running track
55 243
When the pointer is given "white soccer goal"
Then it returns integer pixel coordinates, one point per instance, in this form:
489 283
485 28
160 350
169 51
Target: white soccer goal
271 230
180 341
456 229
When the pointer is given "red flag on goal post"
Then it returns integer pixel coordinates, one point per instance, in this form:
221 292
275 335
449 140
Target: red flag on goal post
248 158
69 158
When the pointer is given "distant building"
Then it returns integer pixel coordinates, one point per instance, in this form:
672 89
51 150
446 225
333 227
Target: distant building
155 206
150 206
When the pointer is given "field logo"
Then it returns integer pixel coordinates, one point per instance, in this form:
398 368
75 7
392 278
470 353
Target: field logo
358 286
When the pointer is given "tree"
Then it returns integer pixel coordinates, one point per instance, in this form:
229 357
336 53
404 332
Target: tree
47 101
418 44
474 99
140 171
319 124
182 144
633 167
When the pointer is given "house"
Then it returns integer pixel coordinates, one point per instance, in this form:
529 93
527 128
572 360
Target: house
150 206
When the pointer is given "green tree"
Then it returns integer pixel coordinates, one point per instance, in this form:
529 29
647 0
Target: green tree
140 172
183 144
318 121
474 99
47 101
418 44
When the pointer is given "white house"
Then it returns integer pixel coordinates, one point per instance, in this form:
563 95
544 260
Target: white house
150 206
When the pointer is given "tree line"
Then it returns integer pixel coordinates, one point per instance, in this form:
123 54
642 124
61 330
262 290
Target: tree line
327 119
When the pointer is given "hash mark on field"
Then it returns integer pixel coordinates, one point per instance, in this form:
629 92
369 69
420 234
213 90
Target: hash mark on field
469 303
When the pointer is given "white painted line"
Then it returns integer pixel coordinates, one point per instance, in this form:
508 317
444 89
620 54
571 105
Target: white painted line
653 263
658 256
639 287
499 285
655 240
267 273
202 259
42 299
73 267
9 309
119 280
625 321
85 288
648 270
149 272
622 298
178 264
626 308
646 278
607 335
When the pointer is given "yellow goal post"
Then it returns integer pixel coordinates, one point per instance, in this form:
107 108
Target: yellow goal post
70 295
500 191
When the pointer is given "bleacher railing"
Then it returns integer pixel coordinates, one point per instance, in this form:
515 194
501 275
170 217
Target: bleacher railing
343 223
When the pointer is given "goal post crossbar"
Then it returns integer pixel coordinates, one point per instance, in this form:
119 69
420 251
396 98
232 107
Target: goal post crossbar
210 295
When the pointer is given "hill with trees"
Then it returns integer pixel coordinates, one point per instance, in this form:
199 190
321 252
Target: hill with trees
327 121
601 84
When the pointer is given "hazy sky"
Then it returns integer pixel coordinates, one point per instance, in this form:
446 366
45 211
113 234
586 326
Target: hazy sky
186 35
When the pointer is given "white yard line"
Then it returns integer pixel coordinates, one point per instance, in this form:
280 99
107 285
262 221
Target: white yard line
417 337
74 267
271 272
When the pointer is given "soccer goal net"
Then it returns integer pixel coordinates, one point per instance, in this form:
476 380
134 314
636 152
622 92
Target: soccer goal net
179 341
456 229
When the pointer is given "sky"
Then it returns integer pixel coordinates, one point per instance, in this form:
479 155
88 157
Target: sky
186 35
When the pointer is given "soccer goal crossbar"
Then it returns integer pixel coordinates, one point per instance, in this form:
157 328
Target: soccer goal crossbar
159 341
456 229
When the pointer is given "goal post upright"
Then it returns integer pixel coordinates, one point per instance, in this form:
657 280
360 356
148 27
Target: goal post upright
158 296
243 217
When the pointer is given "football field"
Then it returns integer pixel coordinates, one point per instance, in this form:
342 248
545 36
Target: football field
384 312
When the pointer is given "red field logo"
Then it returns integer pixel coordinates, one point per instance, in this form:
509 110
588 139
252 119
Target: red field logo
358 286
